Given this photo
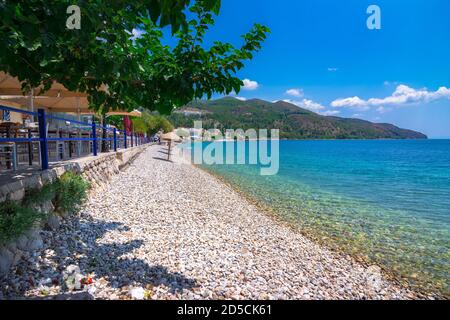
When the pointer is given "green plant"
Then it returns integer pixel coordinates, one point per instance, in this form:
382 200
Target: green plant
165 125
39 196
15 220
67 193
70 191
139 125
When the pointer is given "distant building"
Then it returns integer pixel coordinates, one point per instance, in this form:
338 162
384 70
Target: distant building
191 112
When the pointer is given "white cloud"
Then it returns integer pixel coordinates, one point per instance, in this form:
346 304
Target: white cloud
357 115
332 69
241 98
352 102
306 104
330 112
295 92
250 85
403 95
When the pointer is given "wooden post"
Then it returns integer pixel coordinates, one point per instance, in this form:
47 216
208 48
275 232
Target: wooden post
170 145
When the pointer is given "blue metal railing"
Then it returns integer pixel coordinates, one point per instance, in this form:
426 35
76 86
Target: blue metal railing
117 135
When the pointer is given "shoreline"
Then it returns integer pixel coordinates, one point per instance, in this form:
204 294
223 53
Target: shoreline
277 218
283 221
174 231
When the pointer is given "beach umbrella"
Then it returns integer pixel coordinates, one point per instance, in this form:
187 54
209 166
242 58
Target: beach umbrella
134 113
170 137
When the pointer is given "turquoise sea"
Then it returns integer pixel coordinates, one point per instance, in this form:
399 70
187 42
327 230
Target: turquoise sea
387 201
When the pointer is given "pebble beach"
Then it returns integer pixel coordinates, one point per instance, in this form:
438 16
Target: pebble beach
169 230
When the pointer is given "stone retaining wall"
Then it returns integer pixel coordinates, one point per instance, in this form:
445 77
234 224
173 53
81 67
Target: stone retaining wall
97 170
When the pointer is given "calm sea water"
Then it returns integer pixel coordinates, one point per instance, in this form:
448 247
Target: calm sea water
385 200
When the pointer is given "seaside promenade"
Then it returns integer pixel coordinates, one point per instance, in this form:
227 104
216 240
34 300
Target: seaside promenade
168 230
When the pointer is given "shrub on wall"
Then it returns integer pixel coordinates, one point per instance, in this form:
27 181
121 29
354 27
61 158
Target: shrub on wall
15 220
36 197
66 193
70 191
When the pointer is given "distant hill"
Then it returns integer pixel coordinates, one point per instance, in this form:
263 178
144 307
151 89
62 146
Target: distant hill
292 121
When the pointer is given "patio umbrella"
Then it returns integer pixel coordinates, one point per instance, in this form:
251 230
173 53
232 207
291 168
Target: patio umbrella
170 137
57 99
134 113
11 86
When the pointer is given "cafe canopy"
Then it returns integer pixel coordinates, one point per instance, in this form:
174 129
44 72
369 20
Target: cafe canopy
56 99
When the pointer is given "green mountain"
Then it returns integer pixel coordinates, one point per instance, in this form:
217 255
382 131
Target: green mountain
292 121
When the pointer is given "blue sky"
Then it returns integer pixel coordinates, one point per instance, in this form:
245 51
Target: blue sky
324 53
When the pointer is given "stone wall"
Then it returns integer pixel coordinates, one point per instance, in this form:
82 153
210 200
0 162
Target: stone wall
97 170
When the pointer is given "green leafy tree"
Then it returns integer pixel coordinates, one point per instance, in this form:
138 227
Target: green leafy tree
117 70
151 124
139 125
116 121
165 125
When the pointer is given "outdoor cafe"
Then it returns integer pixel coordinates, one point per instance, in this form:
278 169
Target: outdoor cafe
57 125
